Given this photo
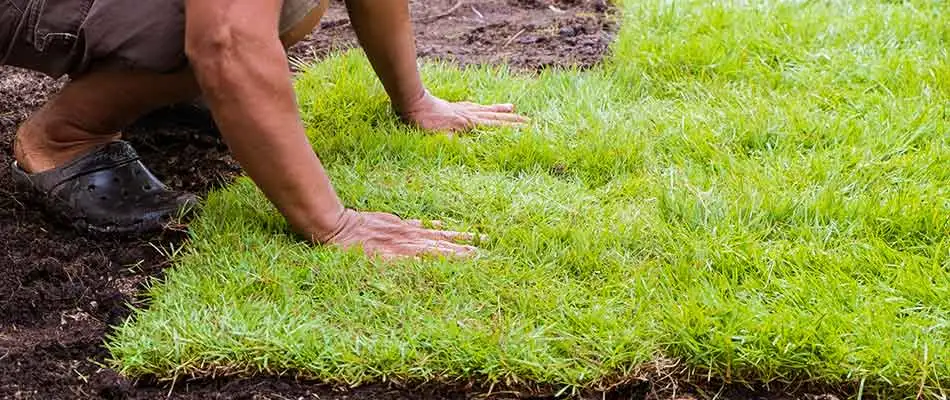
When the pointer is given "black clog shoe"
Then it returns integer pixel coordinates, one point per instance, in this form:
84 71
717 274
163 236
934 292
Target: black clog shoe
107 190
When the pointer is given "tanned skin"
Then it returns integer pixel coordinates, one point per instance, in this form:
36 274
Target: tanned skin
240 66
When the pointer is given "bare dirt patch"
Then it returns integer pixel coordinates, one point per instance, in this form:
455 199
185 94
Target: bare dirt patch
525 34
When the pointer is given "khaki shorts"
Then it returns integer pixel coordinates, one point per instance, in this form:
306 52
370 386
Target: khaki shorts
59 37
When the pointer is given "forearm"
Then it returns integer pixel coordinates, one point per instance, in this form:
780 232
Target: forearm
254 105
384 30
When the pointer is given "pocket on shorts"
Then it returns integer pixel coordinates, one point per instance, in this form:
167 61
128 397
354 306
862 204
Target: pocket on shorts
52 26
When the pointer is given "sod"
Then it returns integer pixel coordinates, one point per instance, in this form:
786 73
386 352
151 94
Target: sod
759 191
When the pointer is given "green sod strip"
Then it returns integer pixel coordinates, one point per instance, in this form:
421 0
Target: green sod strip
758 190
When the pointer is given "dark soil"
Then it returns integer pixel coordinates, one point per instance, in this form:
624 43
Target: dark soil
525 34
61 292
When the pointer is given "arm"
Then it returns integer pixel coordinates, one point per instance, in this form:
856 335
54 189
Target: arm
241 67
384 30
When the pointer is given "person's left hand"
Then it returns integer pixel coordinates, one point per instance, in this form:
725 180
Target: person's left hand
434 114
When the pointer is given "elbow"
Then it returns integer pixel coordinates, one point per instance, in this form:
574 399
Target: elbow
228 57
211 50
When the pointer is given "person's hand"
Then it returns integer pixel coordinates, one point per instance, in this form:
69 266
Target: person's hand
434 114
388 237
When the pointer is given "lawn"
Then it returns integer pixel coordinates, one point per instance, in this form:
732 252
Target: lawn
756 190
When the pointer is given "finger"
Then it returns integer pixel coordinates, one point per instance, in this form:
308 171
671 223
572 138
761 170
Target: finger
419 224
481 122
501 108
421 248
443 248
450 236
458 249
396 252
504 107
500 116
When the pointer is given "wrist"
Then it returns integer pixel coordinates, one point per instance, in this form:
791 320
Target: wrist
409 105
324 227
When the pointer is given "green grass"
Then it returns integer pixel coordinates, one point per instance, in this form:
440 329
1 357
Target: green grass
757 190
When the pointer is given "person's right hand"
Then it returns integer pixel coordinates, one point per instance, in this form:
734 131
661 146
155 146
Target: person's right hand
388 237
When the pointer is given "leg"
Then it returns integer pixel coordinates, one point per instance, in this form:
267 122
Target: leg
92 109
